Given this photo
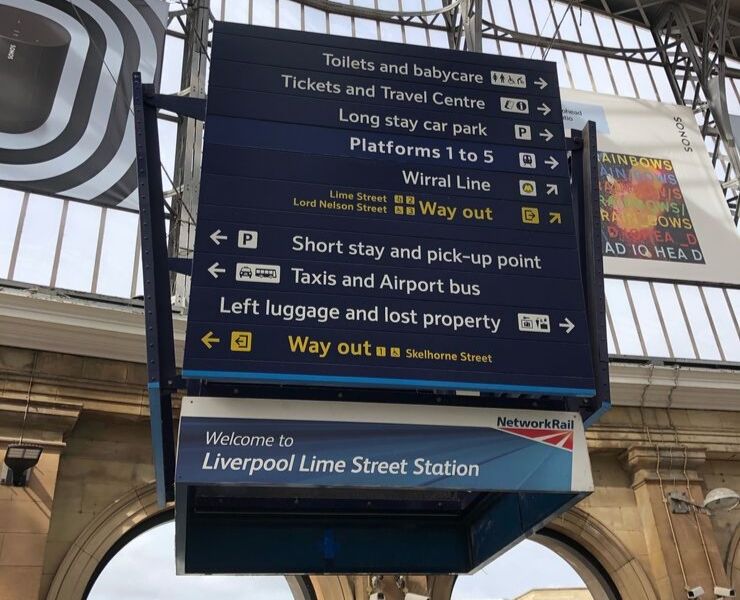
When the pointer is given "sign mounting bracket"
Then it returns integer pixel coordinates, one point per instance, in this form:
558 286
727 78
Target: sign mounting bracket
162 378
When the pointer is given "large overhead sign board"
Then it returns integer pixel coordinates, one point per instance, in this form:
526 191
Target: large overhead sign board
377 214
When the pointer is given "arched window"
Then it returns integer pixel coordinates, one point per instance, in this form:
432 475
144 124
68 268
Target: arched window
144 568
529 571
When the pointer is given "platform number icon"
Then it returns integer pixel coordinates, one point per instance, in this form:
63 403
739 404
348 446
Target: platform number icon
527 160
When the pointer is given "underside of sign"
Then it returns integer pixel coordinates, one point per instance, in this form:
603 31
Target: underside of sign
269 486
222 534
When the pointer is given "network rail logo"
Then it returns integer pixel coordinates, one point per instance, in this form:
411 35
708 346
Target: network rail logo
549 431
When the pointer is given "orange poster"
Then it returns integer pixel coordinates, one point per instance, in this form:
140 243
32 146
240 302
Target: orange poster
643 212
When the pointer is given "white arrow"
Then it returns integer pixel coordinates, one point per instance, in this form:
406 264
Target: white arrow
541 83
217 237
214 270
552 162
547 134
544 109
568 325
552 188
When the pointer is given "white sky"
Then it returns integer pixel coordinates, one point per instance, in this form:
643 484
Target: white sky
145 570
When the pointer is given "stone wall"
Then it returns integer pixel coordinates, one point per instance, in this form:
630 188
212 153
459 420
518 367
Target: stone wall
94 482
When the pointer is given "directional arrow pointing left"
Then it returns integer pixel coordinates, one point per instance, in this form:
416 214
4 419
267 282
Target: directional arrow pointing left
541 83
217 237
209 339
568 325
552 162
544 109
215 270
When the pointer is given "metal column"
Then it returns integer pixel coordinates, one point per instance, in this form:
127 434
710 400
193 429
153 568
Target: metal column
189 144
697 76
464 25
160 345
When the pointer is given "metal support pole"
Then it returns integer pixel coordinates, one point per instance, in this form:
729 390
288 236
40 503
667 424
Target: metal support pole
189 144
697 77
450 20
473 26
586 205
160 347
465 25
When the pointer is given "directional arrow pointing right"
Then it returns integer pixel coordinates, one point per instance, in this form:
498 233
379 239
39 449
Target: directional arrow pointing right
215 270
568 325
209 339
541 83
547 134
552 188
217 237
552 162
544 109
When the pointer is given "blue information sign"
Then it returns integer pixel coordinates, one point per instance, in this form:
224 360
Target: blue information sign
274 443
377 214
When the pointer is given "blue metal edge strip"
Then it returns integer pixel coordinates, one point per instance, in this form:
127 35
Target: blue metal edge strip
603 408
388 382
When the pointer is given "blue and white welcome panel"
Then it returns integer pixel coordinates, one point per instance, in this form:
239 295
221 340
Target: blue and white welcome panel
274 443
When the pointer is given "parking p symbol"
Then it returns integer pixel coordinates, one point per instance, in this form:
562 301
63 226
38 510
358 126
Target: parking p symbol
523 132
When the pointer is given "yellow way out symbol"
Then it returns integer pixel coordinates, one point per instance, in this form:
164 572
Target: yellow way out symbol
209 339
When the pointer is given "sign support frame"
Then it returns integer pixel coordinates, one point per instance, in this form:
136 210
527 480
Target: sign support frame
586 204
162 378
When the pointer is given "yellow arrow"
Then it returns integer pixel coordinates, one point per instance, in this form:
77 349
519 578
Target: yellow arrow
555 217
209 339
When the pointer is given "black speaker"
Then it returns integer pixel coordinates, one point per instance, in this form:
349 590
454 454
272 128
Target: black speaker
33 49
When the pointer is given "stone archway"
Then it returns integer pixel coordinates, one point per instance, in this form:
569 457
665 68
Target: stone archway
84 557
110 529
604 563
732 561
596 554
601 560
